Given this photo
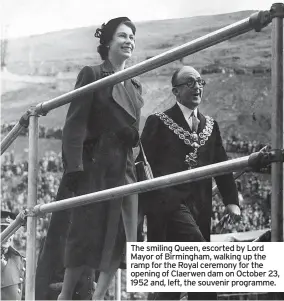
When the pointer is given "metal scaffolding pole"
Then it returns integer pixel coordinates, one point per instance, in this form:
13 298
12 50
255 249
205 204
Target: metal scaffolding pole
15 132
13 227
32 200
254 161
117 285
255 22
277 11
187 176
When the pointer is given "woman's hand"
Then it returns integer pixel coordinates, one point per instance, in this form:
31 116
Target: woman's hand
72 180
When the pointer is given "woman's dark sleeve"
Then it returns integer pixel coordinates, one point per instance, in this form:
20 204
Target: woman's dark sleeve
75 128
149 139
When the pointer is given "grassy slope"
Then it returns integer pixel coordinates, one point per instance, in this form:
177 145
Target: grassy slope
230 99
72 48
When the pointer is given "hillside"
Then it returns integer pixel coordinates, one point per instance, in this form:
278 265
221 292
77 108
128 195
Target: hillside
237 98
69 49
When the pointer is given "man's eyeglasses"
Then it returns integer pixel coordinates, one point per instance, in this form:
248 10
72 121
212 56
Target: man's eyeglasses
192 82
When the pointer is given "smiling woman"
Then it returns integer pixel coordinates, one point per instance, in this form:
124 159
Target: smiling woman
100 130
113 37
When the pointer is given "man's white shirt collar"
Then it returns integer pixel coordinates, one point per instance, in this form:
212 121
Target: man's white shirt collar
186 111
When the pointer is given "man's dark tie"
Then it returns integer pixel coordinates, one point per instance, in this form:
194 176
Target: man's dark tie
195 123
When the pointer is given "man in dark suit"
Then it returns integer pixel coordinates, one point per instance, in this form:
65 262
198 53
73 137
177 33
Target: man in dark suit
12 265
178 139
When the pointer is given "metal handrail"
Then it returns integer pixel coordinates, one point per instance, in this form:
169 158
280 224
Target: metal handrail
256 21
186 176
277 11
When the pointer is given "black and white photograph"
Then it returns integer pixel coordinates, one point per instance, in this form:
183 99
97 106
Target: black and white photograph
142 150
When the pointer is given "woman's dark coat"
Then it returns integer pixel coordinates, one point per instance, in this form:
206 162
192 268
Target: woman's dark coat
100 130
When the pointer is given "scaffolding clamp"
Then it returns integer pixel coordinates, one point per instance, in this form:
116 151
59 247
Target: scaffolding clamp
25 119
40 110
262 159
21 218
36 211
33 212
277 10
260 20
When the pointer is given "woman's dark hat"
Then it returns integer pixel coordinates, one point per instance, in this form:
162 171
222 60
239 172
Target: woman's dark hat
106 32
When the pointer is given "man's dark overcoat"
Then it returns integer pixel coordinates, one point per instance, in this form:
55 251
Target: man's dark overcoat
166 155
100 130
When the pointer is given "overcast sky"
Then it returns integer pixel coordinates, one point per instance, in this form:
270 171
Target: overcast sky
26 17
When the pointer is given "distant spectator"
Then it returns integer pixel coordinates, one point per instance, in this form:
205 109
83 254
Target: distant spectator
14 182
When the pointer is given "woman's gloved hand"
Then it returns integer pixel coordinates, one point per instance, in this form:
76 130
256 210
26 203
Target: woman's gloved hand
72 180
129 135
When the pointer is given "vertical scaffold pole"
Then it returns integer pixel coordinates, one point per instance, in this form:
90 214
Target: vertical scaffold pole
32 200
277 13
117 295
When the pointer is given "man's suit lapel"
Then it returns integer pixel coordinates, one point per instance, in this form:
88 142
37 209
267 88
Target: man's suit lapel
177 116
119 94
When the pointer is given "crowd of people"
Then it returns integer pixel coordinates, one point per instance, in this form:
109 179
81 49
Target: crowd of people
235 144
48 133
255 199
14 189
254 195
232 144
97 143
254 217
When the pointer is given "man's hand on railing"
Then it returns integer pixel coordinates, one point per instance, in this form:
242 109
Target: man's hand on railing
264 158
234 213
72 179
